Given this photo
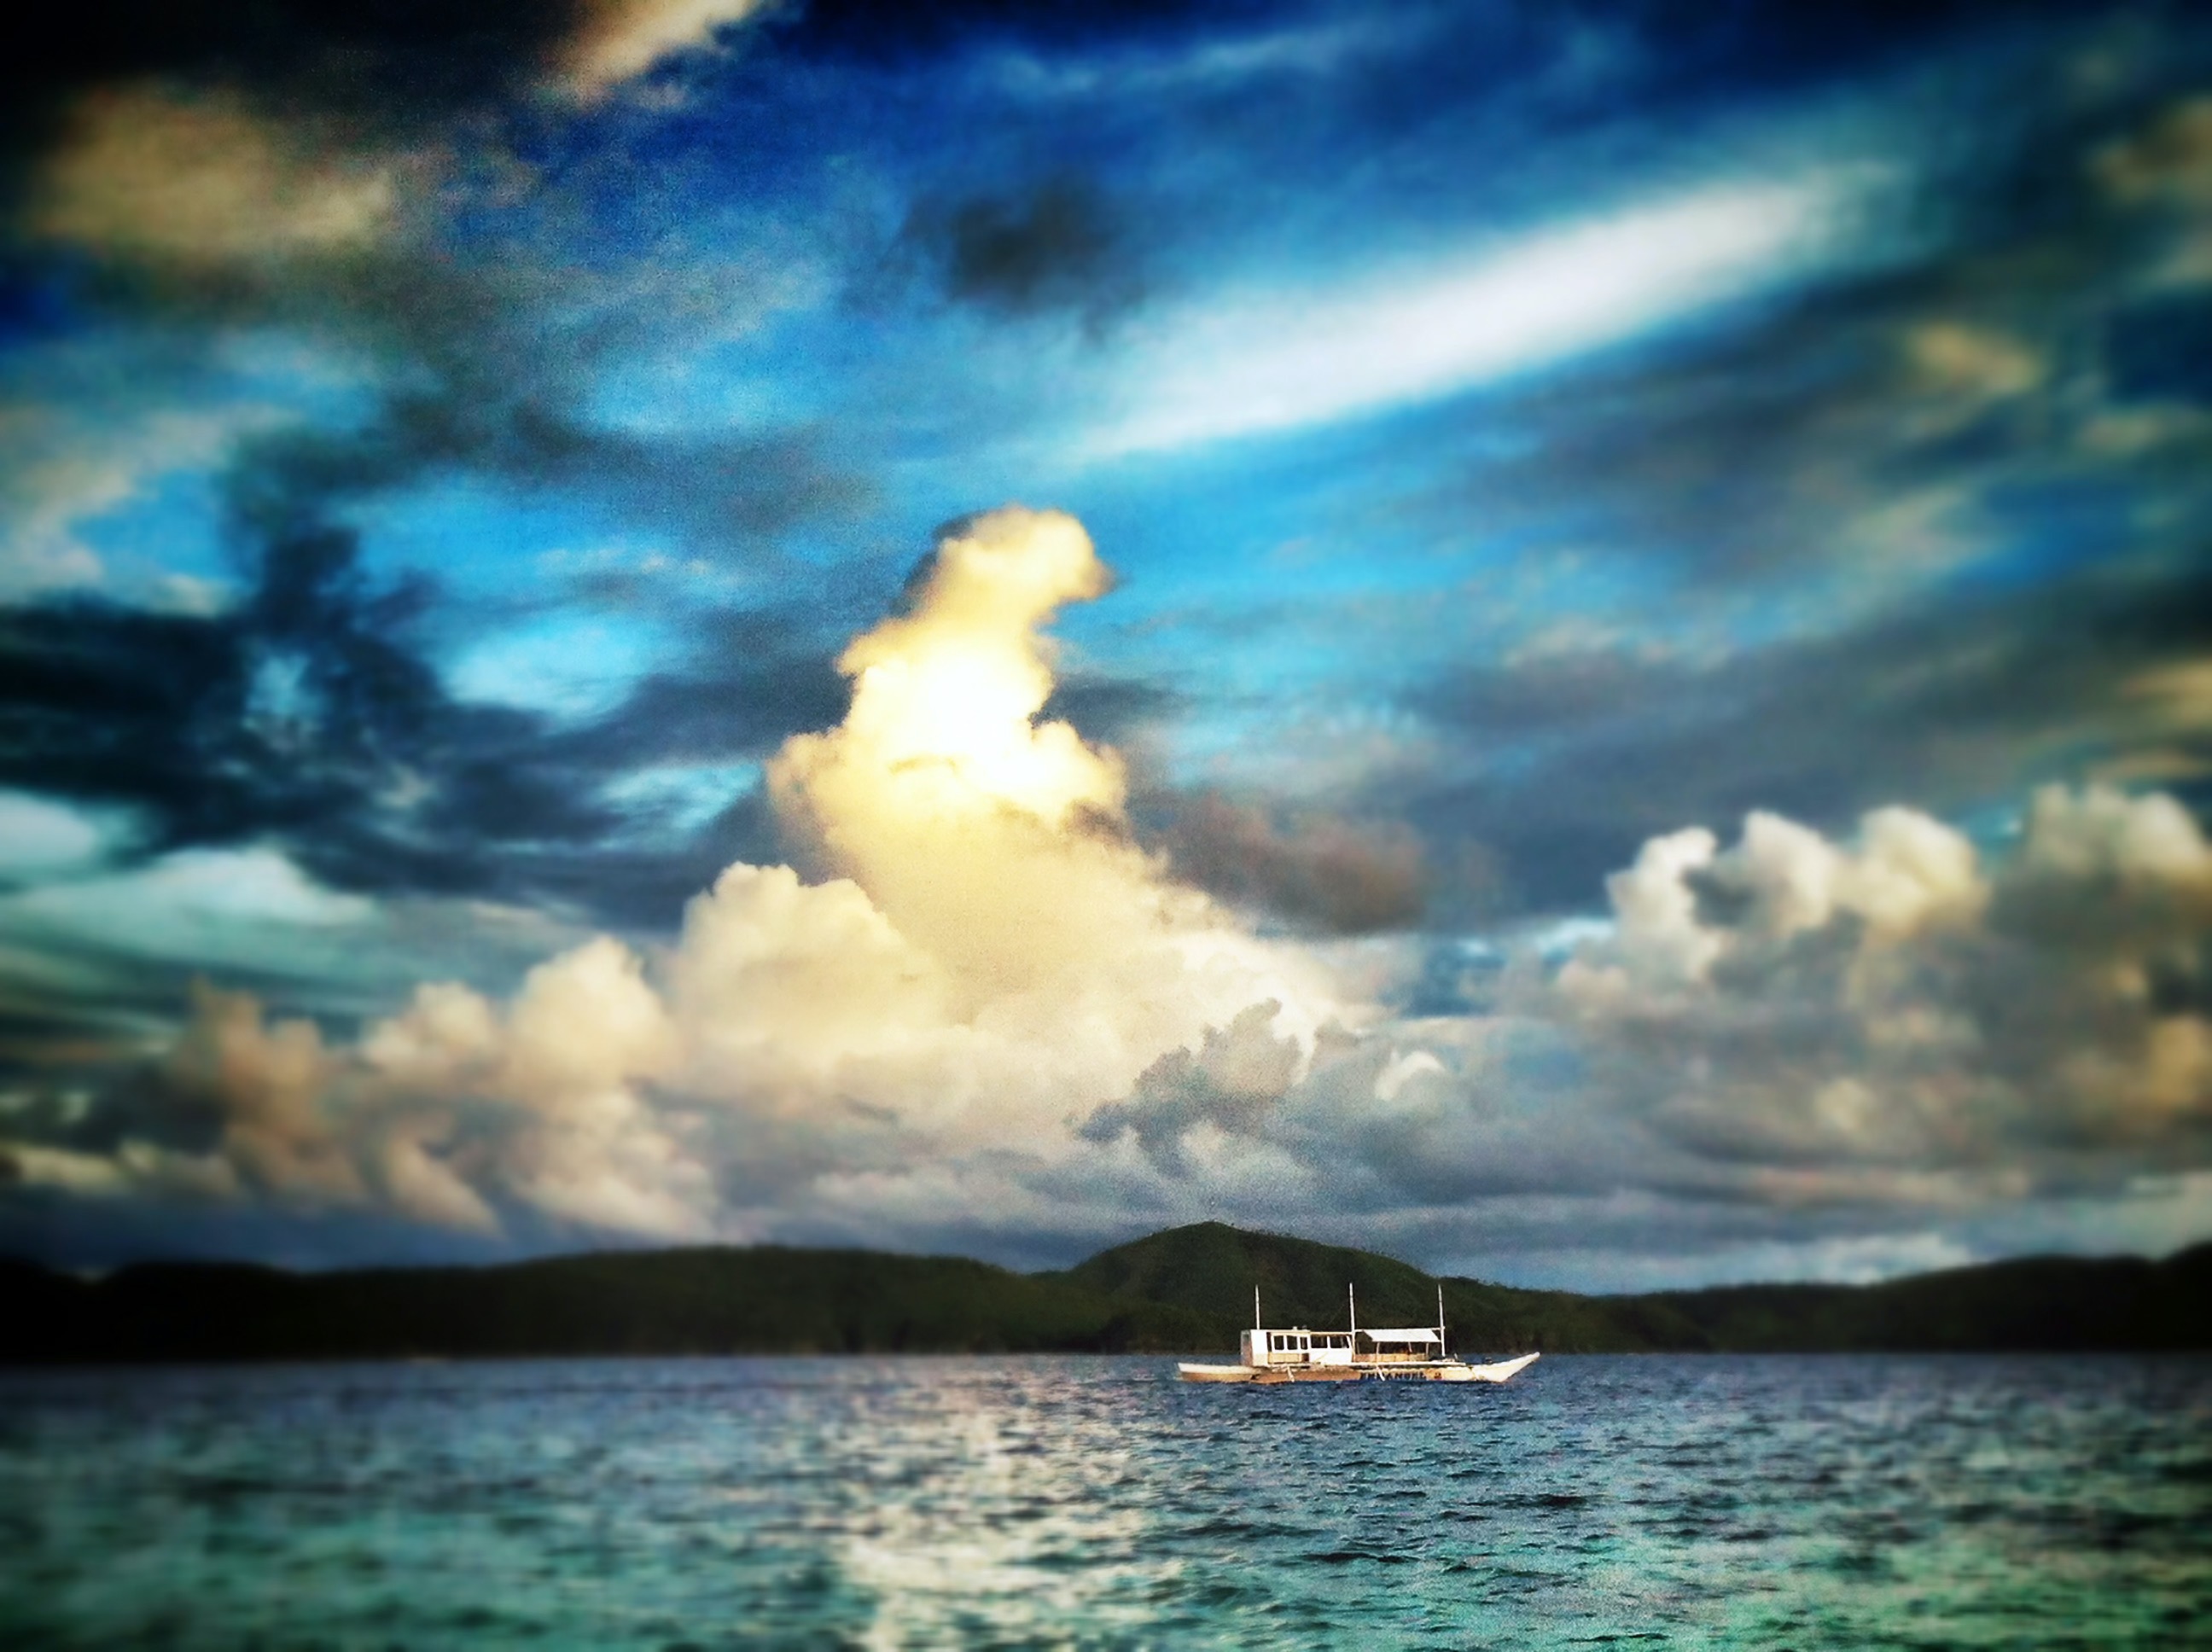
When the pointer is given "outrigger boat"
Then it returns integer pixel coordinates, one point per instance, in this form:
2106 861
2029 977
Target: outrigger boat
1401 1354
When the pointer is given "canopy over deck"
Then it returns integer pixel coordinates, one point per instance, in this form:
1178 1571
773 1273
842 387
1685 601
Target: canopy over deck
1419 1333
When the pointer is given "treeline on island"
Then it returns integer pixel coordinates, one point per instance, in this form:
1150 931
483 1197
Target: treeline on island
1188 1289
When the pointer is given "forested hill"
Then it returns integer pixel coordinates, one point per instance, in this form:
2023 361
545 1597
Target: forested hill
2038 1303
1187 1289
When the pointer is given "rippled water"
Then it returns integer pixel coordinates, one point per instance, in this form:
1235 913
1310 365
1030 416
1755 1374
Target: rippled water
1832 1502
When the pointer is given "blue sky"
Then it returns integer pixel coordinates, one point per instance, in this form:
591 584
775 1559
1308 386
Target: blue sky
448 458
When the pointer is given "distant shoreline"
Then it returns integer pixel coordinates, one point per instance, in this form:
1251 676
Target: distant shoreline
1187 1289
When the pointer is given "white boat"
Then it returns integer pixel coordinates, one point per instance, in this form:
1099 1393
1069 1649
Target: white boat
1397 1353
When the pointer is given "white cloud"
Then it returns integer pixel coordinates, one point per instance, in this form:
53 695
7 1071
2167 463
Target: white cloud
250 910
61 474
189 888
1291 51
1276 360
40 837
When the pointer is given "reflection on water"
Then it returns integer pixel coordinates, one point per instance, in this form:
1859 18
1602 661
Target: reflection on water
1000 1522
1839 1501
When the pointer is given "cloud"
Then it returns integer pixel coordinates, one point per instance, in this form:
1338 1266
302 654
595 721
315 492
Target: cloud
2168 161
62 474
1231 61
1574 755
297 182
267 1083
40 836
1349 876
2010 389
378 70
141 172
308 715
1237 1074
1058 245
1275 361
616 40
1849 1021
998 843
989 955
1972 364
990 1013
1858 1052
901 1035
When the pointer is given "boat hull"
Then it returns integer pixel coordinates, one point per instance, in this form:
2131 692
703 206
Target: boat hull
1438 1371
1496 1373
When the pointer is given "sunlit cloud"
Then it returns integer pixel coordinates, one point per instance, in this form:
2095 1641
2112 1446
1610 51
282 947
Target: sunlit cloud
145 173
620 40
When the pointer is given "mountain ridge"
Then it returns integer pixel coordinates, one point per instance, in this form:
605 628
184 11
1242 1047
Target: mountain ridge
1185 1289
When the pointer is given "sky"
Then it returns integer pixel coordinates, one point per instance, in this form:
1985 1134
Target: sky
1573 642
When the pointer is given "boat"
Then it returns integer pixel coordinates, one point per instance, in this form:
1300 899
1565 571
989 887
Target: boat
1397 1353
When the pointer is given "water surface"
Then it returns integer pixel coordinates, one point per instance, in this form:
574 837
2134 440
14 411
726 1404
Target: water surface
1656 1501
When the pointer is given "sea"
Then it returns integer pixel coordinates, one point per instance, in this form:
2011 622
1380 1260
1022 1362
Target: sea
1657 1501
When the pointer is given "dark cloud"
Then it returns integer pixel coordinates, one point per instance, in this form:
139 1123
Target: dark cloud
308 717
731 497
2161 349
884 31
1236 1076
749 683
1584 755
50 1225
1311 869
1058 245
1109 711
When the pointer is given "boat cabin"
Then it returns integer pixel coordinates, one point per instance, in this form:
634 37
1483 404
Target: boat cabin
1402 1345
1296 1346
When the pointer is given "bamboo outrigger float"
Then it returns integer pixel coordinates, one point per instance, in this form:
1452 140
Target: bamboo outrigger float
1397 1354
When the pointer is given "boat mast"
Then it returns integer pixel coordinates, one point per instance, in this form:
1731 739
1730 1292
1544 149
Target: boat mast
1351 1309
1440 1319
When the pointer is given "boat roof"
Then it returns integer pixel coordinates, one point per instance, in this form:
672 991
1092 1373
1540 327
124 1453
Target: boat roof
1417 1334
